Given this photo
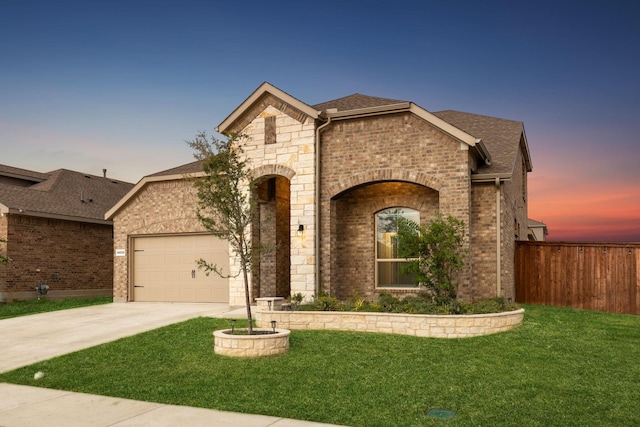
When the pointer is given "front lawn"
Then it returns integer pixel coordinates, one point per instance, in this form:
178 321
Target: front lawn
560 367
35 306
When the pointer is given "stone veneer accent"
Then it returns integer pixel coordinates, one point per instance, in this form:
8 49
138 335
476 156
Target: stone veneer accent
292 156
420 325
250 345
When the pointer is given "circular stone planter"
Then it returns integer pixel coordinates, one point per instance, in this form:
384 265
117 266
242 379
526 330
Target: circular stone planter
265 343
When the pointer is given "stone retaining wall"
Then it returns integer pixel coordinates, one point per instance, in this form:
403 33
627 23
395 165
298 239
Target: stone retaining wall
250 345
421 325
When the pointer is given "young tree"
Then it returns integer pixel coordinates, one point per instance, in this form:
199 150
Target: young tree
434 252
225 203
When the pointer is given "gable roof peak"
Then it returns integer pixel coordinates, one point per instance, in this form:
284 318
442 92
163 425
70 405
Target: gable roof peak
234 122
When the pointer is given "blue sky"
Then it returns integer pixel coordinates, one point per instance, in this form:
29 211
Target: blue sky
87 85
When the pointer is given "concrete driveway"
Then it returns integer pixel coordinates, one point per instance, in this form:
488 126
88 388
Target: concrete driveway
29 339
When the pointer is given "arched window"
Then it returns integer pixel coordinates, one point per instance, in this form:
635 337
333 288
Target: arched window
388 266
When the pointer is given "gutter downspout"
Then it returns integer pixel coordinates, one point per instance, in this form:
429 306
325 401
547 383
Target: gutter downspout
498 234
317 205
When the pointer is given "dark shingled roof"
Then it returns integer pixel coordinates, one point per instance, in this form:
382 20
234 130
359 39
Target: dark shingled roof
189 168
500 136
64 193
24 177
356 101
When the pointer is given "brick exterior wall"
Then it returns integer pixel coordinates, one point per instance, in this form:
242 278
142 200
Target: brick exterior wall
272 273
483 240
3 252
393 148
367 164
159 208
353 254
514 223
73 258
513 227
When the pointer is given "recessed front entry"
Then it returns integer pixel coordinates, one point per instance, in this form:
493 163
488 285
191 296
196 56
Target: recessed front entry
164 269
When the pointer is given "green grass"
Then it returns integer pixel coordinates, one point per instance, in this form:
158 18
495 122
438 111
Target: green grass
562 367
34 306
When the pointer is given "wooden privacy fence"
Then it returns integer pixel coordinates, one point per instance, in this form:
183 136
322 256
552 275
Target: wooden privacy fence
592 276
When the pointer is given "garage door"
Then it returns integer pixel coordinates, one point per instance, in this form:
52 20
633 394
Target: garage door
164 269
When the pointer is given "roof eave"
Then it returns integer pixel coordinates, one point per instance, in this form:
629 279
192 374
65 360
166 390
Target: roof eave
367 111
24 212
490 177
525 151
446 127
265 87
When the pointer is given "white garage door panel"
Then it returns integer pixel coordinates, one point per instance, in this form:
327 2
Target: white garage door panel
164 269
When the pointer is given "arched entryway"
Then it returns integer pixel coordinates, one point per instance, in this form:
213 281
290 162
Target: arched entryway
271 229
354 235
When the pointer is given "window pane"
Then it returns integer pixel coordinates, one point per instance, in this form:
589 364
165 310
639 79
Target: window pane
389 272
387 228
390 275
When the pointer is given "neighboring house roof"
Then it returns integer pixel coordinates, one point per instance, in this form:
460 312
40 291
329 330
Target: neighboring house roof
21 177
501 136
188 169
62 194
534 225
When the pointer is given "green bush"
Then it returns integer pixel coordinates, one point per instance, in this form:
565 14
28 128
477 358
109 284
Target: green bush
422 303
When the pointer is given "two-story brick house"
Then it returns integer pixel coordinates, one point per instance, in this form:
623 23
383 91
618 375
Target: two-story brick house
332 180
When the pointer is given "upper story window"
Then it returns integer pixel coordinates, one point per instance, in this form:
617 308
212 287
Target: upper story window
388 266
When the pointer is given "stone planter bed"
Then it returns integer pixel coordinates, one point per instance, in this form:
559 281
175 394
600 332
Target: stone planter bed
266 344
421 325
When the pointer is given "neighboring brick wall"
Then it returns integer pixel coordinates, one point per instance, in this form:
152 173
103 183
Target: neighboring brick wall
164 207
3 251
73 258
399 147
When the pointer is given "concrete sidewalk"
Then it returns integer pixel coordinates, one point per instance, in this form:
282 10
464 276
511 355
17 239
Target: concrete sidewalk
22 406
29 339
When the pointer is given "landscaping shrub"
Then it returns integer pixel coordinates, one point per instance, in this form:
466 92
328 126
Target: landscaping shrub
422 303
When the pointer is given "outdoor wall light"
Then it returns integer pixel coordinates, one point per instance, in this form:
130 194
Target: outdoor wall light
273 326
300 230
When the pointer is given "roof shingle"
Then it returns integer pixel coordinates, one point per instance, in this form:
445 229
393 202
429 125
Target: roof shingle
501 137
65 193
356 101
